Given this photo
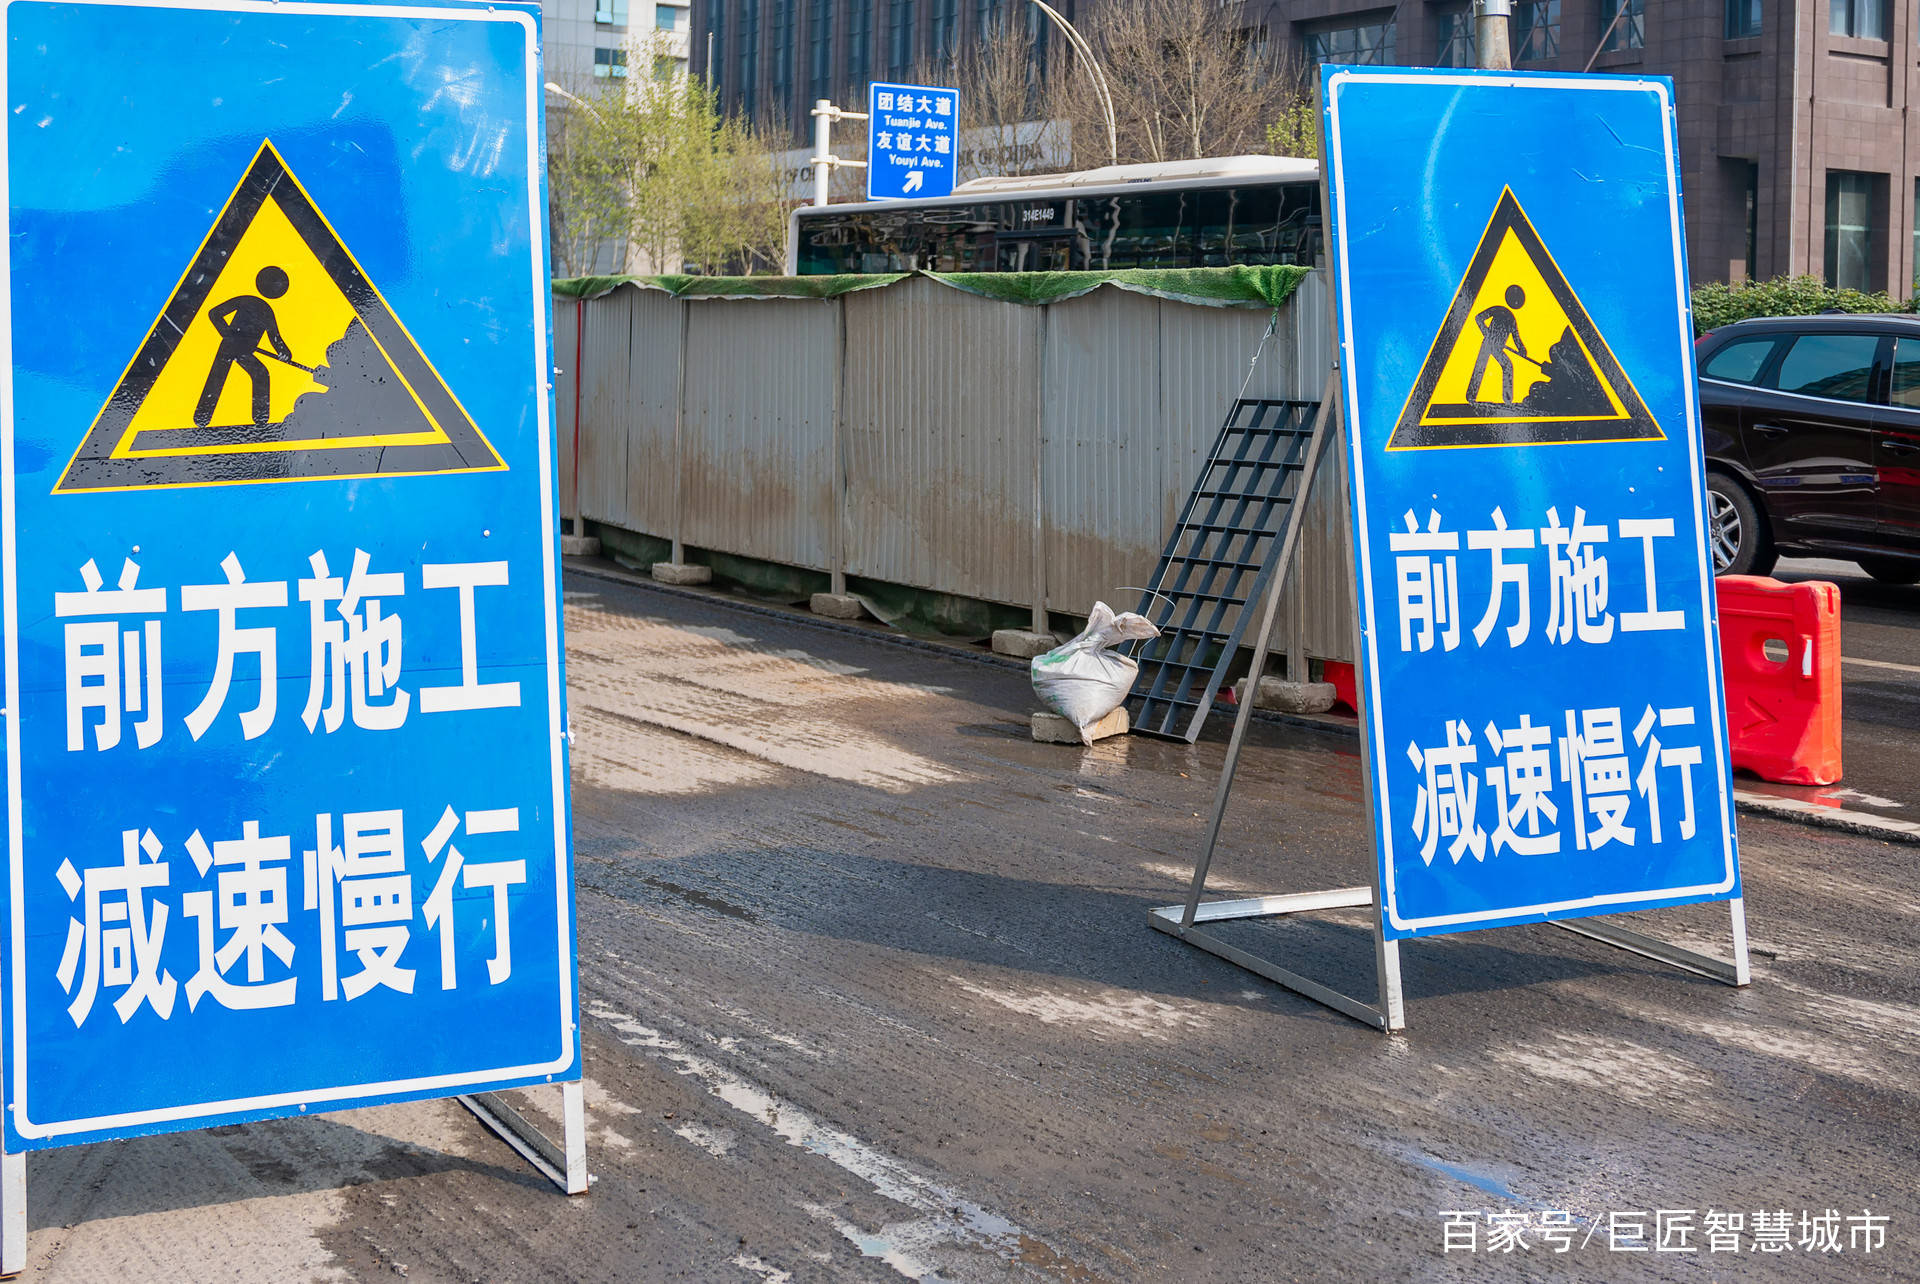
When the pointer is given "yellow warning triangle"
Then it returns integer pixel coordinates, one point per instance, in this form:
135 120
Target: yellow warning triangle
1517 361
275 359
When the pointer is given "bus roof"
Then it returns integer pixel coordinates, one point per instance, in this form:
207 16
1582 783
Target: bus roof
1242 167
1216 171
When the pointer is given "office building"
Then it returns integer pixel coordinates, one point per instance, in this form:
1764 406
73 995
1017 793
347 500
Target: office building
1795 150
773 59
594 39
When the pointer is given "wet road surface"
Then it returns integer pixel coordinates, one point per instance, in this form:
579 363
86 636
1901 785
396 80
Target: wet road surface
868 994
1880 698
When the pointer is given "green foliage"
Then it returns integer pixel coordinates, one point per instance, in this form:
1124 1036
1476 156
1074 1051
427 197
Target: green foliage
654 165
1297 132
1715 305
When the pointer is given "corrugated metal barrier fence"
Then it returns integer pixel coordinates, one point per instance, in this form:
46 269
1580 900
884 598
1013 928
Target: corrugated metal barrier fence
1033 455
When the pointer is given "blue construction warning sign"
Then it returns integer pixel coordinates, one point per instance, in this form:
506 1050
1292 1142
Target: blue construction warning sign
911 141
1544 711
287 795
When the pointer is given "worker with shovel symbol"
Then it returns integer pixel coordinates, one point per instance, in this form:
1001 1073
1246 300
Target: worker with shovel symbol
1498 328
244 322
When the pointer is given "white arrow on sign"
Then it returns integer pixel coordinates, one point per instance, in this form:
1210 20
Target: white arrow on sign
913 181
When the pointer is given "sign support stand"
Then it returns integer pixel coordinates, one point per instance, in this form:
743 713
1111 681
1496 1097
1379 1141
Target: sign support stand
1388 1012
1736 973
564 1167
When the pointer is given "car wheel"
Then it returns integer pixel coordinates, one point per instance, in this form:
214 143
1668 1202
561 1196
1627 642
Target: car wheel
1737 534
1891 570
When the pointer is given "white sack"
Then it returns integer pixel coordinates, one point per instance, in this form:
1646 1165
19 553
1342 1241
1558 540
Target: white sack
1082 680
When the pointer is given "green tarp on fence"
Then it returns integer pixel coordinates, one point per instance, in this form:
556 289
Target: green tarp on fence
1252 287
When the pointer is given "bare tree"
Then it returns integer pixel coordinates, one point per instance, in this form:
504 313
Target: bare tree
1186 81
1012 119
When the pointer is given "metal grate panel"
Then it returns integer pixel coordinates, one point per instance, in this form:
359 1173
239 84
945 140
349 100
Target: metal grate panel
1218 560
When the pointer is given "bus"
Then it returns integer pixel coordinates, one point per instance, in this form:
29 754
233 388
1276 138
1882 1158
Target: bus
1201 213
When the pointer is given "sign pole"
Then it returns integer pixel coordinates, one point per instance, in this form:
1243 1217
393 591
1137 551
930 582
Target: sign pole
13 1213
1492 43
823 160
822 151
564 1165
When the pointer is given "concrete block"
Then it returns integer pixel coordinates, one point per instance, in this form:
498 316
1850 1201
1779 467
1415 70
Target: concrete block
1283 696
1052 729
1022 644
682 573
580 546
836 606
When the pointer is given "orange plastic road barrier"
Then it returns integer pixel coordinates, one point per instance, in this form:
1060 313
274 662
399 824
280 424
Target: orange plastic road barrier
1340 673
1780 651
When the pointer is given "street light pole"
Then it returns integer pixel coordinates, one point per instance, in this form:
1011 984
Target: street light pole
552 88
1085 54
1492 45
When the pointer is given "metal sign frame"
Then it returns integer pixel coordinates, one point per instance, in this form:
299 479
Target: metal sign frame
1388 1010
474 1088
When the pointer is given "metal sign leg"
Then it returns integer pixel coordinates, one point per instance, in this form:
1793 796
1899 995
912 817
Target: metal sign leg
564 1167
13 1214
1181 920
1386 957
1737 972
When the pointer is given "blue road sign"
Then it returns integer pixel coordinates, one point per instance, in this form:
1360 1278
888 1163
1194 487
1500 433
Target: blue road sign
1545 722
912 141
286 761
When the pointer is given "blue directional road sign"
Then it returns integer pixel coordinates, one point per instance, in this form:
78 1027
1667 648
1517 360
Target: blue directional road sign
1544 710
287 795
912 141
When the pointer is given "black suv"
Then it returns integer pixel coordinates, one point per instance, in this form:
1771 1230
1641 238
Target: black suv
1812 433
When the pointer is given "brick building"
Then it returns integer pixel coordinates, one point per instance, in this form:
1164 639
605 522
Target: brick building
1796 151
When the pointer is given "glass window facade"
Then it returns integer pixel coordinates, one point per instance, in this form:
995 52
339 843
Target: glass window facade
610 13
1743 18
1536 30
1866 19
749 56
717 63
859 47
1453 38
820 51
943 24
1630 32
780 74
900 39
1361 42
1849 230
610 63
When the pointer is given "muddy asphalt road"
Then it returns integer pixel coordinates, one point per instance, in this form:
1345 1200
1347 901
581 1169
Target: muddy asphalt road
868 993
